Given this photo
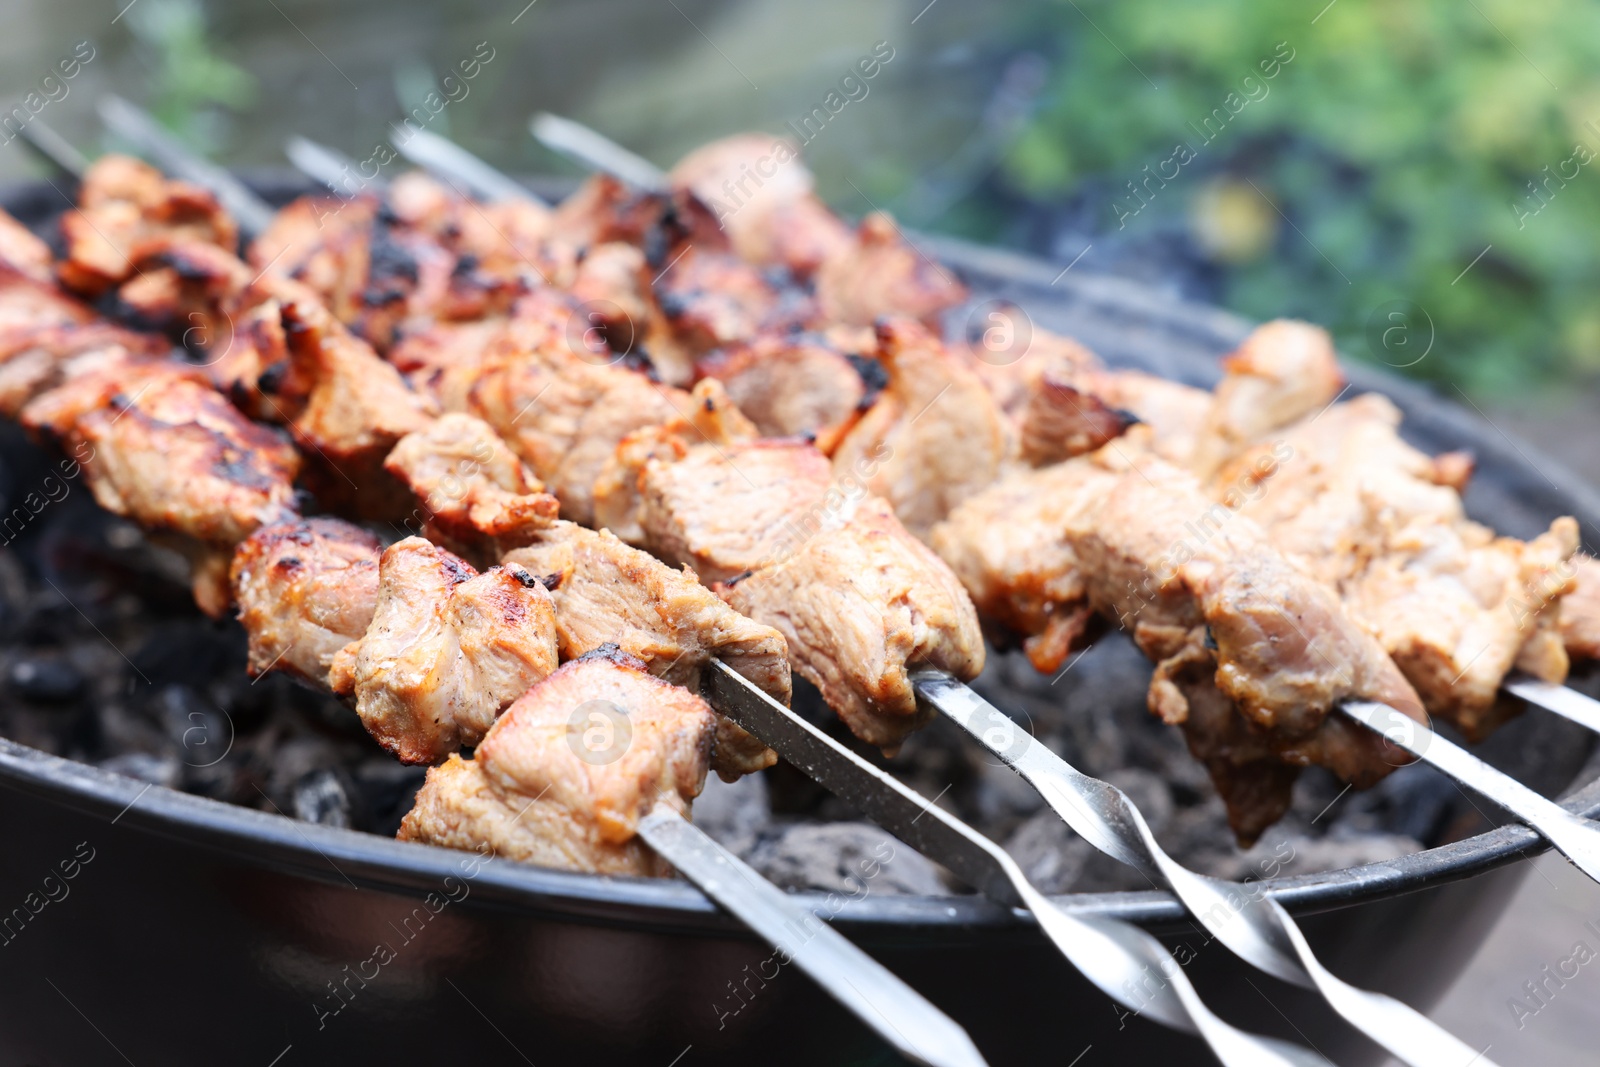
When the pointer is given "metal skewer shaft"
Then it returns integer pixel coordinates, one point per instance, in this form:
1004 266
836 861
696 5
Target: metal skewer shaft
134 125
332 168
1575 837
898 1013
447 160
1254 926
596 151
1129 965
1568 703
54 148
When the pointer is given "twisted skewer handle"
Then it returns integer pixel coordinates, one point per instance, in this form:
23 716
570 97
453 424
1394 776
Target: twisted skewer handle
1127 964
1253 926
596 151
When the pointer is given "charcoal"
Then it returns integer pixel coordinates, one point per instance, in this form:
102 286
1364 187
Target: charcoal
387 790
320 797
851 858
733 813
49 680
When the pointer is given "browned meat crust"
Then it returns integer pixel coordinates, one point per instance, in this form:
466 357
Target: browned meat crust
606 592
935 435
1580 610
862 603
1207 598
1456 606
562 414
564 777
879 274
306 588
448 648
474 496
790 385
775 220
124 203
23 252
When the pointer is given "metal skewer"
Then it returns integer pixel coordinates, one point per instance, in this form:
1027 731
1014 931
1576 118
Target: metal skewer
596 151
253 213
899 1014
54 148
446 159
1266 937
1129 965
1573 836
330 167
1563 700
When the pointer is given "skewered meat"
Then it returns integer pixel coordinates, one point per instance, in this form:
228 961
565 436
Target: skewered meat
1210 601
476 497
306 588
791 385
1383 523
444 359
1283 372
862 603
123 203
23 252
356 409
1580 610
47 338
881 273
606 592
324 244
562 414
935 435
564 777
778 222
163 448
447 650
618 490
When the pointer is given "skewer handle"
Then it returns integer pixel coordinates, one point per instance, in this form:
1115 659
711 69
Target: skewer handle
1127 964
447 160
596 151
254 214
1576 838
1265 935
1568 703
899 1014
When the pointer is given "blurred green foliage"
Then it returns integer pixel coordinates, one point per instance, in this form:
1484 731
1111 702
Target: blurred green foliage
1398 144
190 81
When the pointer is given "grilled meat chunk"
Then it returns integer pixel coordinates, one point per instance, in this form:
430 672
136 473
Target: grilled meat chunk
1205 597
1379 521
475 496
447 650
23 252
161 447
564 777
324 243
356 409
1580 609
879 273
306 588
606 592
124 203
790 385
727 508
618 490
1283 372
562 414
935 435
862 603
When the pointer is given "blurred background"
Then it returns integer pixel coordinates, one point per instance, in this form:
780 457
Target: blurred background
1416 175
